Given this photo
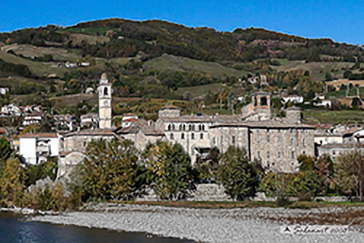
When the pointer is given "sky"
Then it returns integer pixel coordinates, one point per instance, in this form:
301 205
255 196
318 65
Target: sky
341 20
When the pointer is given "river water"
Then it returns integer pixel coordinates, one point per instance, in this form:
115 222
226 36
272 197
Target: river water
15 229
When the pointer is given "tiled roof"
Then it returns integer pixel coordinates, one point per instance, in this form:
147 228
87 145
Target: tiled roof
39 135
342 146
264 124
203 118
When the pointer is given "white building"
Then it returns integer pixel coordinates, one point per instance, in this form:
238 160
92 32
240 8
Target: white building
11 110
296 99
3 91
33 118
35 148
89 120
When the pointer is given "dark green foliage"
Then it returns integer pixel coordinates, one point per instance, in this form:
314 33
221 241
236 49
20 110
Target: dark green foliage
171 171
41 171
7 68
237 174
111 171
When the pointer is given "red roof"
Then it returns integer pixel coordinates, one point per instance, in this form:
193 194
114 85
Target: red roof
39 135
130 120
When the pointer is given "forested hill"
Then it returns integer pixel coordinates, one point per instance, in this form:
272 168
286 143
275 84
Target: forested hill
123 38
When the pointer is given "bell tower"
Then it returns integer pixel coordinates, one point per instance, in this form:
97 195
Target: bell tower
104 91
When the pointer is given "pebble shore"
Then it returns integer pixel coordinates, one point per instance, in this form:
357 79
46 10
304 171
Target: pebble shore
203 225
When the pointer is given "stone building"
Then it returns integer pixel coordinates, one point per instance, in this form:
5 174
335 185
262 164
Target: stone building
277 142
105 111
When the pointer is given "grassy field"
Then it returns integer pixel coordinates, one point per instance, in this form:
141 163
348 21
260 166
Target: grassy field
201 90
38 68
34 51
173 63
333 117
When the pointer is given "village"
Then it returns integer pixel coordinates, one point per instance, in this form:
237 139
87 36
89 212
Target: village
275 141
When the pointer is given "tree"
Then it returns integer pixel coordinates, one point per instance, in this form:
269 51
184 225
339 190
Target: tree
12 182
6 151
239 176
171 170
111 170
207 167
350 174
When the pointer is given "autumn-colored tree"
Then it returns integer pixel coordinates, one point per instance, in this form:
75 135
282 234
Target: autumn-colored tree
12 182
350 174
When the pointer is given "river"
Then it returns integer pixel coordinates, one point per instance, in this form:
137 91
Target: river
15 229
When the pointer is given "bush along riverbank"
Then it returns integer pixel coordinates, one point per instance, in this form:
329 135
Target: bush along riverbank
116 171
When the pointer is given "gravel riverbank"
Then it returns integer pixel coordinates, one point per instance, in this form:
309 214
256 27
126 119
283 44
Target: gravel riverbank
207 225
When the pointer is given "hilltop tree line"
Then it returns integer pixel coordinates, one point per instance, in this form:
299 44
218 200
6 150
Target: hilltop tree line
127 38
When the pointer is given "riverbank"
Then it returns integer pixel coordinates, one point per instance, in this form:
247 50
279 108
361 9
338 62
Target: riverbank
214 225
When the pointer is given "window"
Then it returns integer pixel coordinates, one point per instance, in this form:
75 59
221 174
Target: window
171 136
279 154
268 164
292 141
182 136
263 101
268 138
214 140
233 140
180 127
333 152
106 92
268 154
273 164
201 135
189 127
258 154
169 127
258 138
173 127
193 136
203 127
199 127
193 127
292 155
304 142
184 127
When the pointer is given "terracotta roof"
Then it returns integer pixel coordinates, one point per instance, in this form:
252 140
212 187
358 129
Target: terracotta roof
130 120
203 118
39 135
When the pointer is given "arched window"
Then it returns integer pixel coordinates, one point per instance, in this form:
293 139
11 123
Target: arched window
171 136
201 135
192 136
173 127
203 127
199 127
106 92
182 136
169 127
180 127
189 127
184 127
263 101
193 127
